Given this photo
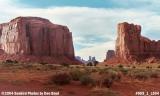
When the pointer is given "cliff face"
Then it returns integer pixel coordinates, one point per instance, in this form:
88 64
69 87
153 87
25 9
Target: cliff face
36 36
131 46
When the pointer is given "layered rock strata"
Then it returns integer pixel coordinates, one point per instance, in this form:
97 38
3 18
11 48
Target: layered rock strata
36 39
132 47
110 54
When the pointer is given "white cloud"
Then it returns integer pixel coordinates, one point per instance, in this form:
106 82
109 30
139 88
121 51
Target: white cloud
94 28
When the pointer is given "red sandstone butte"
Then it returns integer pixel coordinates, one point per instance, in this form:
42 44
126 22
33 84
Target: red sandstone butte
110 54
36 39
131 47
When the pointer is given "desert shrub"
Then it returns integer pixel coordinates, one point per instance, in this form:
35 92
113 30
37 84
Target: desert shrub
38 69
65 64
89 64
134 67
139 74
149 67
102 92
118 77
86 80
104 70
50 67
61 78
34 66
124 71
120 66
107 82
78 67
10 61
108 77
43 63
142 76
76 74
128 66
94 70
106 65
28 66
95 63
114 75
88 70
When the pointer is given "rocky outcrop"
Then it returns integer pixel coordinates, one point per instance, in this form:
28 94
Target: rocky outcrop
110 54
38 38
132 47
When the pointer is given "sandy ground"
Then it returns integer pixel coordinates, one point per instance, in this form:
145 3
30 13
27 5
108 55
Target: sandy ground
28 80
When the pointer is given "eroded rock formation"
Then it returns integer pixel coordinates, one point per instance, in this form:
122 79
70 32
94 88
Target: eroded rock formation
110 54
132 47
36 39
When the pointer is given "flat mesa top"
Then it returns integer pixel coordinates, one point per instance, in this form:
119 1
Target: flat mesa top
30 18
35 20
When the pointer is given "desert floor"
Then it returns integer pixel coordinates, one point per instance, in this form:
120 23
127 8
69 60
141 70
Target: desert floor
38 77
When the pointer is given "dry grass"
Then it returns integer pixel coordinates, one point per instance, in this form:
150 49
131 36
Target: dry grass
102 76
97 91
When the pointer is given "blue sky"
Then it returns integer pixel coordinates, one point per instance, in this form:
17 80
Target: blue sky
93 23
138 4
80 3
87 3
